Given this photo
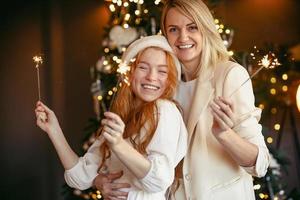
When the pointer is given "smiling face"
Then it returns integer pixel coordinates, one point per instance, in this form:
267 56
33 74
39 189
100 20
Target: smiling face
184 37
149 79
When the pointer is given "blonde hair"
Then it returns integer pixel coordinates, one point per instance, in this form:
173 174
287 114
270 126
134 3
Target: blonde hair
213 48
136 116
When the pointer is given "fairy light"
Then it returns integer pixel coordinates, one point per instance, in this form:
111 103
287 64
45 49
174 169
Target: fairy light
127 17
126 25
261 106
156 2
257 187
119 3
115 58
99 97
285 77
273 111
277 127
273 80
106 50
105 62
146 11
273 91
270 140
285 88
112 7
110 92
137 12
126 4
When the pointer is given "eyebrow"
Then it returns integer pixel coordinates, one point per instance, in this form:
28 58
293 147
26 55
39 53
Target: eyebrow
193 23
160 65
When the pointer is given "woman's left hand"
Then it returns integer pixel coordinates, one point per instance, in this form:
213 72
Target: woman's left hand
113 128
222 110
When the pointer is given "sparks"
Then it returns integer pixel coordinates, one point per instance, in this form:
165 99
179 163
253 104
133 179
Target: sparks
123 68
38 60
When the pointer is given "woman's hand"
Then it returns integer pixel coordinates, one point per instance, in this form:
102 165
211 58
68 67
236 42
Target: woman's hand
222 110
110 190
113 128
46 119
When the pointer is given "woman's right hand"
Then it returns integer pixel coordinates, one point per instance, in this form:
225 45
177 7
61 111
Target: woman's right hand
110 190
46 119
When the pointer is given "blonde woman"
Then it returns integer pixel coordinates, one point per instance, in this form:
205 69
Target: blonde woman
143 136
226 146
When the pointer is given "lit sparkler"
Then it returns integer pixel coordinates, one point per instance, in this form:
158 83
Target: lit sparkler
269 61
38 60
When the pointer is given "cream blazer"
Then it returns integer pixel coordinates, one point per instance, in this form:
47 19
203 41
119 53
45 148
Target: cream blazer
209 173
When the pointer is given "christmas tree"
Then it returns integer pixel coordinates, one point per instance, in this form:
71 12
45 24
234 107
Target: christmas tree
132 19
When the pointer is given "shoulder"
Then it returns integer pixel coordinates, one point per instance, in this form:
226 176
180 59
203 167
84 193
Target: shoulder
166 105
230 70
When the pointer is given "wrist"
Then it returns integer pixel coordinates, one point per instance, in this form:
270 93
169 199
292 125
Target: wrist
224 136
118 146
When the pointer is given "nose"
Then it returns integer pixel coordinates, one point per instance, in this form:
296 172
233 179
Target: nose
183 35
151 75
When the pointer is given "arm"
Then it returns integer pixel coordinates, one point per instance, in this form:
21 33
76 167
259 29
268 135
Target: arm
241 150
166 149
51 126
236 124
109 189
113 132
79 172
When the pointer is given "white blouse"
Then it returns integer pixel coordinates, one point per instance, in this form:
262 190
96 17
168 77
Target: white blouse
166 149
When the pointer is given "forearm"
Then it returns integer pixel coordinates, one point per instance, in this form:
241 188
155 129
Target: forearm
132 159
66 155
241 150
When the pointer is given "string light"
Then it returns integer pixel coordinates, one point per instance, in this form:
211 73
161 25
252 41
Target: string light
277 127
270 140
285 77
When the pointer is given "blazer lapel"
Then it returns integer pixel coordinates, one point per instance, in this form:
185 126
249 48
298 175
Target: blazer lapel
203 93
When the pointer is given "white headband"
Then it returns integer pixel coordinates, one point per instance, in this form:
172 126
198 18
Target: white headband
150 41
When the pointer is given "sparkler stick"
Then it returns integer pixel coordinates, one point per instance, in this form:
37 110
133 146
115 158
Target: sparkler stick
38 60
265 62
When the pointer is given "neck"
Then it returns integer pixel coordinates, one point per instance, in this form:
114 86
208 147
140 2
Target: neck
190 69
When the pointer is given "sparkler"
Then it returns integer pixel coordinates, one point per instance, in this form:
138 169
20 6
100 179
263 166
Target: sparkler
38 61
269 61
123 70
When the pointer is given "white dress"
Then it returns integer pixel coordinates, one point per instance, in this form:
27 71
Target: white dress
167 147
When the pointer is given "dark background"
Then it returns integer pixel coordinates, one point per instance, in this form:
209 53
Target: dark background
69 33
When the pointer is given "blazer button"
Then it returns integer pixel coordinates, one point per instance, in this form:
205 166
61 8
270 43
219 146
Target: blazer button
187 177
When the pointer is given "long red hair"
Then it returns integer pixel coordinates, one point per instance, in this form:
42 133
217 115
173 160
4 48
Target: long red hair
136 115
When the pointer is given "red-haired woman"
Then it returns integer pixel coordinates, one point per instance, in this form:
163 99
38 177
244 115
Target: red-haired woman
144 134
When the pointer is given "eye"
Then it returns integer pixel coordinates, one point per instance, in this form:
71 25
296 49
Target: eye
142 66
172 29
163 71
193 28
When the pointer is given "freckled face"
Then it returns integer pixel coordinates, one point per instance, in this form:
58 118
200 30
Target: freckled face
150 76
184 37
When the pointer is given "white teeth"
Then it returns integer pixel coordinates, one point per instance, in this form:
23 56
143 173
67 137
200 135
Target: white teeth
187 46
151 87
